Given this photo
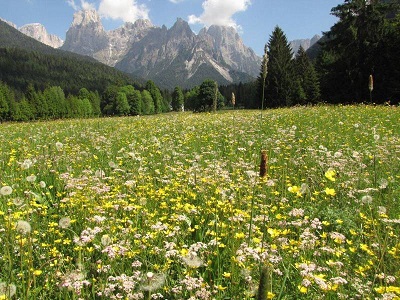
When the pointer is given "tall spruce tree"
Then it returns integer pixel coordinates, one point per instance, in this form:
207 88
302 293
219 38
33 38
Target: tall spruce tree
307 84
280 87
177 99
357 46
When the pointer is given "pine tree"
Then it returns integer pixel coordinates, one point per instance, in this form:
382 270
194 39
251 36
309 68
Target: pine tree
156 96
356 47
307 84
177 99
279 80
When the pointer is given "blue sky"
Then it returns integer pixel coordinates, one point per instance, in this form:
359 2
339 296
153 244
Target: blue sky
254 19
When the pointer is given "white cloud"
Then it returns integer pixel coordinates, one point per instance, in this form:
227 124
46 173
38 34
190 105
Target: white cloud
87 6
220 12
126 10
73 4
84 5
176 1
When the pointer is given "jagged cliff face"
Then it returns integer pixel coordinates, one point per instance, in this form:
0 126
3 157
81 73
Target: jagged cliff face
86 35
170 57
305 43
39 33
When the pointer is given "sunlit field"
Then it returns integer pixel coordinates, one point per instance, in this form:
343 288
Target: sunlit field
172 206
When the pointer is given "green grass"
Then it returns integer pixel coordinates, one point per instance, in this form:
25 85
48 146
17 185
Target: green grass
172 207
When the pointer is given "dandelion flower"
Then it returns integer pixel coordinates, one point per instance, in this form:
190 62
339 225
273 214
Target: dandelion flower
192 260
7 291
106 240
6 190
23 227
367 199
31 178
18 201
42 184
153 282
64 222
59 146
26 164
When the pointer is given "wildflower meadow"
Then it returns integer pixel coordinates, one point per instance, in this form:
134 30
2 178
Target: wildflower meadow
173 206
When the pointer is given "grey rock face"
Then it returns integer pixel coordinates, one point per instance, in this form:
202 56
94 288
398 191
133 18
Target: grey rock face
305 43
39 33
167 56
86 35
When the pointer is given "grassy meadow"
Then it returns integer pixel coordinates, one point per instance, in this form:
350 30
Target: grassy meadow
172 206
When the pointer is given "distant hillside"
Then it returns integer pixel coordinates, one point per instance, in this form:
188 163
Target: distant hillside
24 60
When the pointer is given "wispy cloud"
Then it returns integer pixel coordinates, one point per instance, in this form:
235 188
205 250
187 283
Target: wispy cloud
84 5
220 12
176 1
126 10
73 4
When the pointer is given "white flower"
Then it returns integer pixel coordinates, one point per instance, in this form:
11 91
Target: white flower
42 184
23 227
6 190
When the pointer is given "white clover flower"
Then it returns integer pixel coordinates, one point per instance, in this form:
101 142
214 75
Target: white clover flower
6 190
23 227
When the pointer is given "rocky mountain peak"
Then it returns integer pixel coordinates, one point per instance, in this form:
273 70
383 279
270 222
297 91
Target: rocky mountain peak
142 24
9 23
39 33
85 17
86 35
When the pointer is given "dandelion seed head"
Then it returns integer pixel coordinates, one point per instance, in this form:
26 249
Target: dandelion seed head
6 190
106 240
26 164
42 184
153 281
64 222
192 260
18 201
7 290
23 227
367 199
59 146
31 178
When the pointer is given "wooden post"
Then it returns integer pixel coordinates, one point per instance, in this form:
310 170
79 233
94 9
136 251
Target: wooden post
263 164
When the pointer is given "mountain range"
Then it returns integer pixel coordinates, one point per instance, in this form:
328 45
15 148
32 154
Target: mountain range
170 57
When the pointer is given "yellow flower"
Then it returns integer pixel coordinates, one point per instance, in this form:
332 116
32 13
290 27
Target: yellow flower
37 272
330 174
294 189
330 192
226 275
302 289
